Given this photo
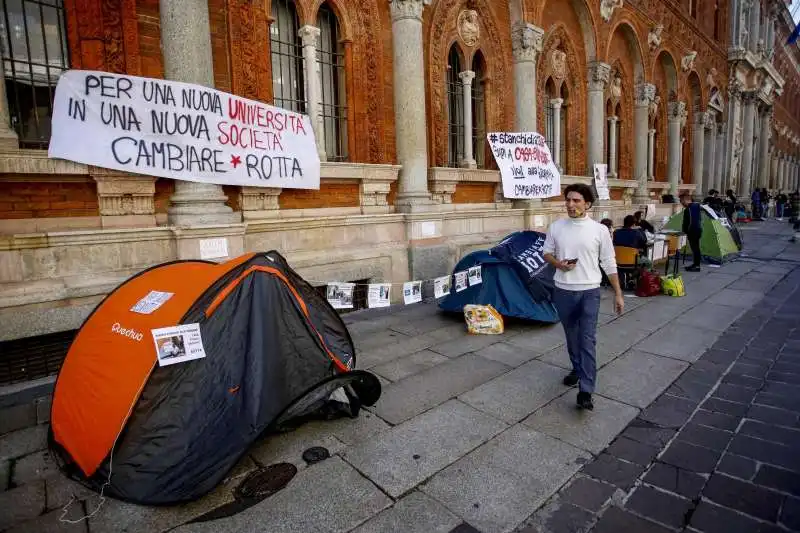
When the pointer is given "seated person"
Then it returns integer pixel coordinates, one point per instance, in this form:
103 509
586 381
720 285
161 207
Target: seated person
607 222
629 235
642 223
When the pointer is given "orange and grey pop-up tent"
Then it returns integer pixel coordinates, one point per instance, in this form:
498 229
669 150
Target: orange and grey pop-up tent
155 433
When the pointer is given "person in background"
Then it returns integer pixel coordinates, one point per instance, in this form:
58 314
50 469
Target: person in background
577 247
780 204
607 222
730 203
641 222
755 199
630 236
714 201
764 197
692 227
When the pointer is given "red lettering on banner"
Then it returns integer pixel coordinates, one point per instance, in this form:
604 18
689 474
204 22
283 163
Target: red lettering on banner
257 115
244 137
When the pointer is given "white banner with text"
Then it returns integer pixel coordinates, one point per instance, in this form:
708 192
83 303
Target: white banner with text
526 166
181 131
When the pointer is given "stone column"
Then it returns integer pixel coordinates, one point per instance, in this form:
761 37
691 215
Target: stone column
720 158
309 35
651 149
698 146
734 8
466 82
773 170
645 92
598 76
411 136
675 112
781 172
526 43
556 105
746 172
186 51
763 148
710 159
612 147
755 25
733 140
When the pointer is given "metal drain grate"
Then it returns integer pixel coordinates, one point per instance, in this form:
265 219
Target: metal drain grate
33 357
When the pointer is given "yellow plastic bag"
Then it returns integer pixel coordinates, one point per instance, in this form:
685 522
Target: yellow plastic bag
483 320
672 285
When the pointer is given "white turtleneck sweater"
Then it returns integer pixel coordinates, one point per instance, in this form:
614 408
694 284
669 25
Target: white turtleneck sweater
590 243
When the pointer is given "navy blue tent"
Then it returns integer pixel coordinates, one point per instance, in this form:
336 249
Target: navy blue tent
516 280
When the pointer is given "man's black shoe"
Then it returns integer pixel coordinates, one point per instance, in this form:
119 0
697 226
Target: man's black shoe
585 401
693 268
571 379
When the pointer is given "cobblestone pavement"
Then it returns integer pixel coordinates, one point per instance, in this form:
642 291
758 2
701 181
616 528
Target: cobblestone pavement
695 427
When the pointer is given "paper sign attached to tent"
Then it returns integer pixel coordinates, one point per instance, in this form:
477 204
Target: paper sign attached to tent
526 166
378 295
475 277
151 302
461 280
181 131
178 344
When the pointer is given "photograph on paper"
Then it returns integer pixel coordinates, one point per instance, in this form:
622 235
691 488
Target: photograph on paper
151 302
412 292
461 281
378 295
441 286
178 344
475 275
340 295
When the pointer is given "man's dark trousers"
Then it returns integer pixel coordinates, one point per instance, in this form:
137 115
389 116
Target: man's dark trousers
578 312
694 243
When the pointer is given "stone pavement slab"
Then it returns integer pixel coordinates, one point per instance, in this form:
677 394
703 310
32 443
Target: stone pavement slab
513 396
414 513
401 458
637 378
409 365
589 430
328 497
498 485
416 394
713 316
679 341
736 297
506 353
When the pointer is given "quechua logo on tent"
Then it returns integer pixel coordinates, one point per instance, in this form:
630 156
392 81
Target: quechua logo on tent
125 332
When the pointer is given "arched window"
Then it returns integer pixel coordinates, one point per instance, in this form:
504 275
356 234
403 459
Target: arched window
564 132
288 80
549 125
693 8
34 54
716 19
479 110
334 93
455 108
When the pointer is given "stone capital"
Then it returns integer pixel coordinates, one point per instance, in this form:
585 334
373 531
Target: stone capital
676 110
644 94
526 41
599 75
735 88
613 119
408 9
749 97
721 126
556 103
467 76
309 35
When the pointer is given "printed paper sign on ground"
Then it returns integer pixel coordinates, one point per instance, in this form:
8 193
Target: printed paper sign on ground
526 166
181 131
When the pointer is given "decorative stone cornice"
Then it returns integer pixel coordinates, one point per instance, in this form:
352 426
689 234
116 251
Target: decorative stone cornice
526 41
408 9
599 75
644 94
21 161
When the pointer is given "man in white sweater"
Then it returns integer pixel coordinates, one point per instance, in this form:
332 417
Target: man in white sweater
577 247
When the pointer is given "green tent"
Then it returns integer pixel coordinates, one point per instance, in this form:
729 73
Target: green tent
716 244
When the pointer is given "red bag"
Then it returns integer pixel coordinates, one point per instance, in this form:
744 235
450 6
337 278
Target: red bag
649 284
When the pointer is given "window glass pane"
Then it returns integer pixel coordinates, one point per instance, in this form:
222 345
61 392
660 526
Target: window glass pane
34 52
330 57
288 82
